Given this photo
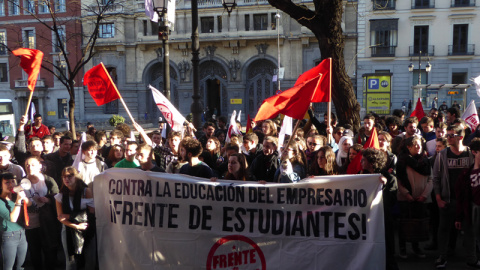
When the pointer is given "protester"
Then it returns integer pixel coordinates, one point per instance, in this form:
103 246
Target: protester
144 157
166 154
266 164
410 126
292 168
195 167
117 153
61 158
37 129
90 166
467 211
176 164
211 154
342 154
368 124
8 167
74 206
14 243
208 131
43 230
251 148
449 164
269 128
325 163
237 168
414 187
129 161
48 144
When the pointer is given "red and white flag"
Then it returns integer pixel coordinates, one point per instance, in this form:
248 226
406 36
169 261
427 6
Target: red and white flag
233 128
470 115
173 117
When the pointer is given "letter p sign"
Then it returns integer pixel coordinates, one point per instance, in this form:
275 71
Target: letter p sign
373 83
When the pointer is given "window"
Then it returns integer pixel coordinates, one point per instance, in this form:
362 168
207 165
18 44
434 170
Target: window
383 37
59 43
420 40
383 4
274 21
106 30
260 21
247 22
460 39
463 3
207 24
219 24
14 7
2 8
29 6
459 77
3 72
62 108
422 4
29 39
112 106
61 69
42 6
3 43
60 6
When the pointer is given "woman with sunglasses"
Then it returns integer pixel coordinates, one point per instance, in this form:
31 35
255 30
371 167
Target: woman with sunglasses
14 243
74 205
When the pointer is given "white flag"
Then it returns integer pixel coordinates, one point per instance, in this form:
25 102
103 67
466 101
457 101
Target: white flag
152 14
32 112
79 156
173 117
233 128
477 84
470 115
286 129
239 116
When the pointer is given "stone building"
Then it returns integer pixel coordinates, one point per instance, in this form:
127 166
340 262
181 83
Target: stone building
394 34
238 56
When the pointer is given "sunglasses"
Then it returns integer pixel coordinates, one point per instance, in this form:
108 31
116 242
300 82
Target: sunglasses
452 135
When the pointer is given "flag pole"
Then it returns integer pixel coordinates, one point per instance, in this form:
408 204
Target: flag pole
28 103
285 146
329 104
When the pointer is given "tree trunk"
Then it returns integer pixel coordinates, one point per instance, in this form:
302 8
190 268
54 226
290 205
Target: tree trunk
325 23
71 110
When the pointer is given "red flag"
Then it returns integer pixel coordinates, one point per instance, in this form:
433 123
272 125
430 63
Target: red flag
418 112
249 124
31 62
293 102
354 167
100 85
323 93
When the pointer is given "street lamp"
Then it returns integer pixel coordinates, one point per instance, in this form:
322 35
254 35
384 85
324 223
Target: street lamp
277 18
428 68
160 6
229 5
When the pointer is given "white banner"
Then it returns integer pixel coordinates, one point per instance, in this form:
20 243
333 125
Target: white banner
470 116
151 220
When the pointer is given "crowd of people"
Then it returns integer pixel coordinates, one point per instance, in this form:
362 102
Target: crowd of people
429 167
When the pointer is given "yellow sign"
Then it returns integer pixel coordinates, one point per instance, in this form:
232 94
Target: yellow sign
235 101
51 113
378 101
378 83
453 92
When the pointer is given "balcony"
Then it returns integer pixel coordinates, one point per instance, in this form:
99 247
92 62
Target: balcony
423 4
383 51
383 4
461 49
24 83
426 50
463 3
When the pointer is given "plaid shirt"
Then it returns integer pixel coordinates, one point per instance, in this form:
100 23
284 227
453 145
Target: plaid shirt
163 156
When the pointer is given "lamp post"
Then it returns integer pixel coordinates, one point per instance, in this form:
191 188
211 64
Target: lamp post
160 6
428 68
277 18
197 105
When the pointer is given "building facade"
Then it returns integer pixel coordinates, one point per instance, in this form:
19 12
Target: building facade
29 24
238 56
393 35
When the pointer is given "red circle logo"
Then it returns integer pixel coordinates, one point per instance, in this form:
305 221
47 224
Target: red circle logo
167 114
236 252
